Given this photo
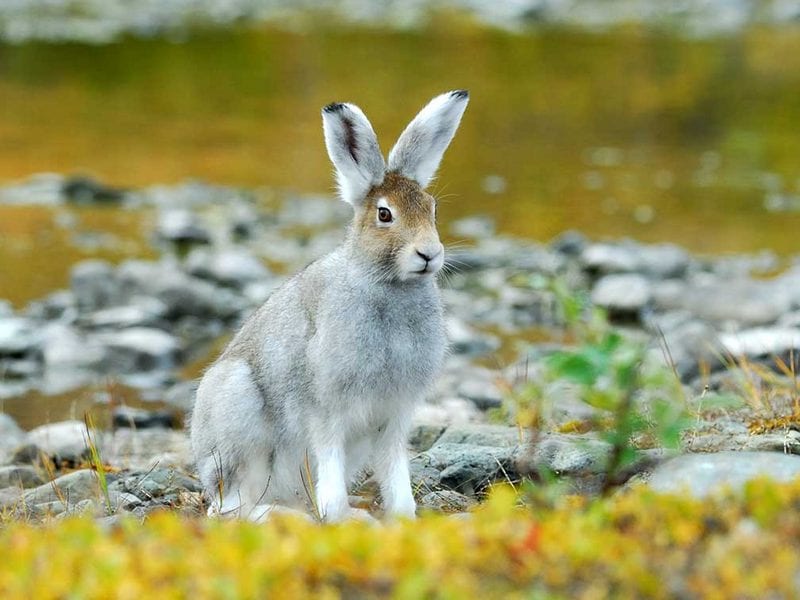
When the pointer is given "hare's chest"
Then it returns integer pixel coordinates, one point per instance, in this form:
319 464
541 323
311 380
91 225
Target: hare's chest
385 349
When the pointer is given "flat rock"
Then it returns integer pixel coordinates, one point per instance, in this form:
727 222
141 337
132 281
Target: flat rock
18 336
424 436
94 285
483 392
761 341
19 476
609 258
564 455
467 468
446 501
137 312
142 449
65 346
234 267
622 294
743 301
155 483
500 436
704 474
182 226
731 440
139 349
447 411
182 294
72 487
66 440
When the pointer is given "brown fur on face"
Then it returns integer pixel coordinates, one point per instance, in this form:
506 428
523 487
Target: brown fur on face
413 228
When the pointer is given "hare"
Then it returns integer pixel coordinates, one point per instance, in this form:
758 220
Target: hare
321 381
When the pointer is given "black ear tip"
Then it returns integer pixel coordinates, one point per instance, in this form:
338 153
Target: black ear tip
460 94
333 107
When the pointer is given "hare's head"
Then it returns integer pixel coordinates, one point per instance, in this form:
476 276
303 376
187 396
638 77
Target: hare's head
394 227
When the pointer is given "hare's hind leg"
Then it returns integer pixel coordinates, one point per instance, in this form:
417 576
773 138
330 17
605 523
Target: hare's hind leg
231 440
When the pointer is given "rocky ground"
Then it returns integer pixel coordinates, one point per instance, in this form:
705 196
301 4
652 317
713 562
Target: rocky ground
103 21
141 321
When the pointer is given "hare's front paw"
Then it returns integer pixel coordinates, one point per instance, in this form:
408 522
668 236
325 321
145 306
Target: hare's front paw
404 507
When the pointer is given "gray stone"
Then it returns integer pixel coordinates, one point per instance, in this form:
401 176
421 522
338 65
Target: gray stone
20 476
691 344
141 450
139 349
182 226
727 438
746 302
18 336
94 285
704 474
313 211
137 312
482 392
447 501
499 436
10 497
621 295
155 483
11 437
447 411
563 455
570 243
64 346
139 418
662 261
761 341
467 340
72 487
66 440
182 294
234 267
58 305
423 437
467 468
609 258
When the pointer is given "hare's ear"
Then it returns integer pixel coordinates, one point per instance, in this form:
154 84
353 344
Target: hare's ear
419 150
354 151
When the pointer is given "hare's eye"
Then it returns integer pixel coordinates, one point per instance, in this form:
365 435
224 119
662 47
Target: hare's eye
384 215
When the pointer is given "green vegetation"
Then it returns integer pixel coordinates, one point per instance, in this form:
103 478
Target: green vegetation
639 401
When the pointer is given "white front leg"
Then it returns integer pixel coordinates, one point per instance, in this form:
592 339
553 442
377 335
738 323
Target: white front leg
391 471
330 486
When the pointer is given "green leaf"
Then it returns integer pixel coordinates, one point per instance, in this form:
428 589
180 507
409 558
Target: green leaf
574 366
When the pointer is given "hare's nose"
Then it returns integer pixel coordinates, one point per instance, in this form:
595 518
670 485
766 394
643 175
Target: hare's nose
428 255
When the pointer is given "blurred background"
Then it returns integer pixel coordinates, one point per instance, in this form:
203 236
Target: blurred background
673 122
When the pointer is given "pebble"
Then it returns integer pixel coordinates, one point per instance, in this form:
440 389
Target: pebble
66 439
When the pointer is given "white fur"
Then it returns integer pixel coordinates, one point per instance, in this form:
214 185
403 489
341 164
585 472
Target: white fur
420 147
353 149
321 381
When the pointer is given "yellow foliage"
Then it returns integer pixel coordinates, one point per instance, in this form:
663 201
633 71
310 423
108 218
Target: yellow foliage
636 544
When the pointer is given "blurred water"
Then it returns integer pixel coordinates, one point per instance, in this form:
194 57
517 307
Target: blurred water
615 134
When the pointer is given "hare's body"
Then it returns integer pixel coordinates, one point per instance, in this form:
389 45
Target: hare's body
327 350
321 381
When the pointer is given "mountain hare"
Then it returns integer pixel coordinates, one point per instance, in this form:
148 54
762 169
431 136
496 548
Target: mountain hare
321 381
